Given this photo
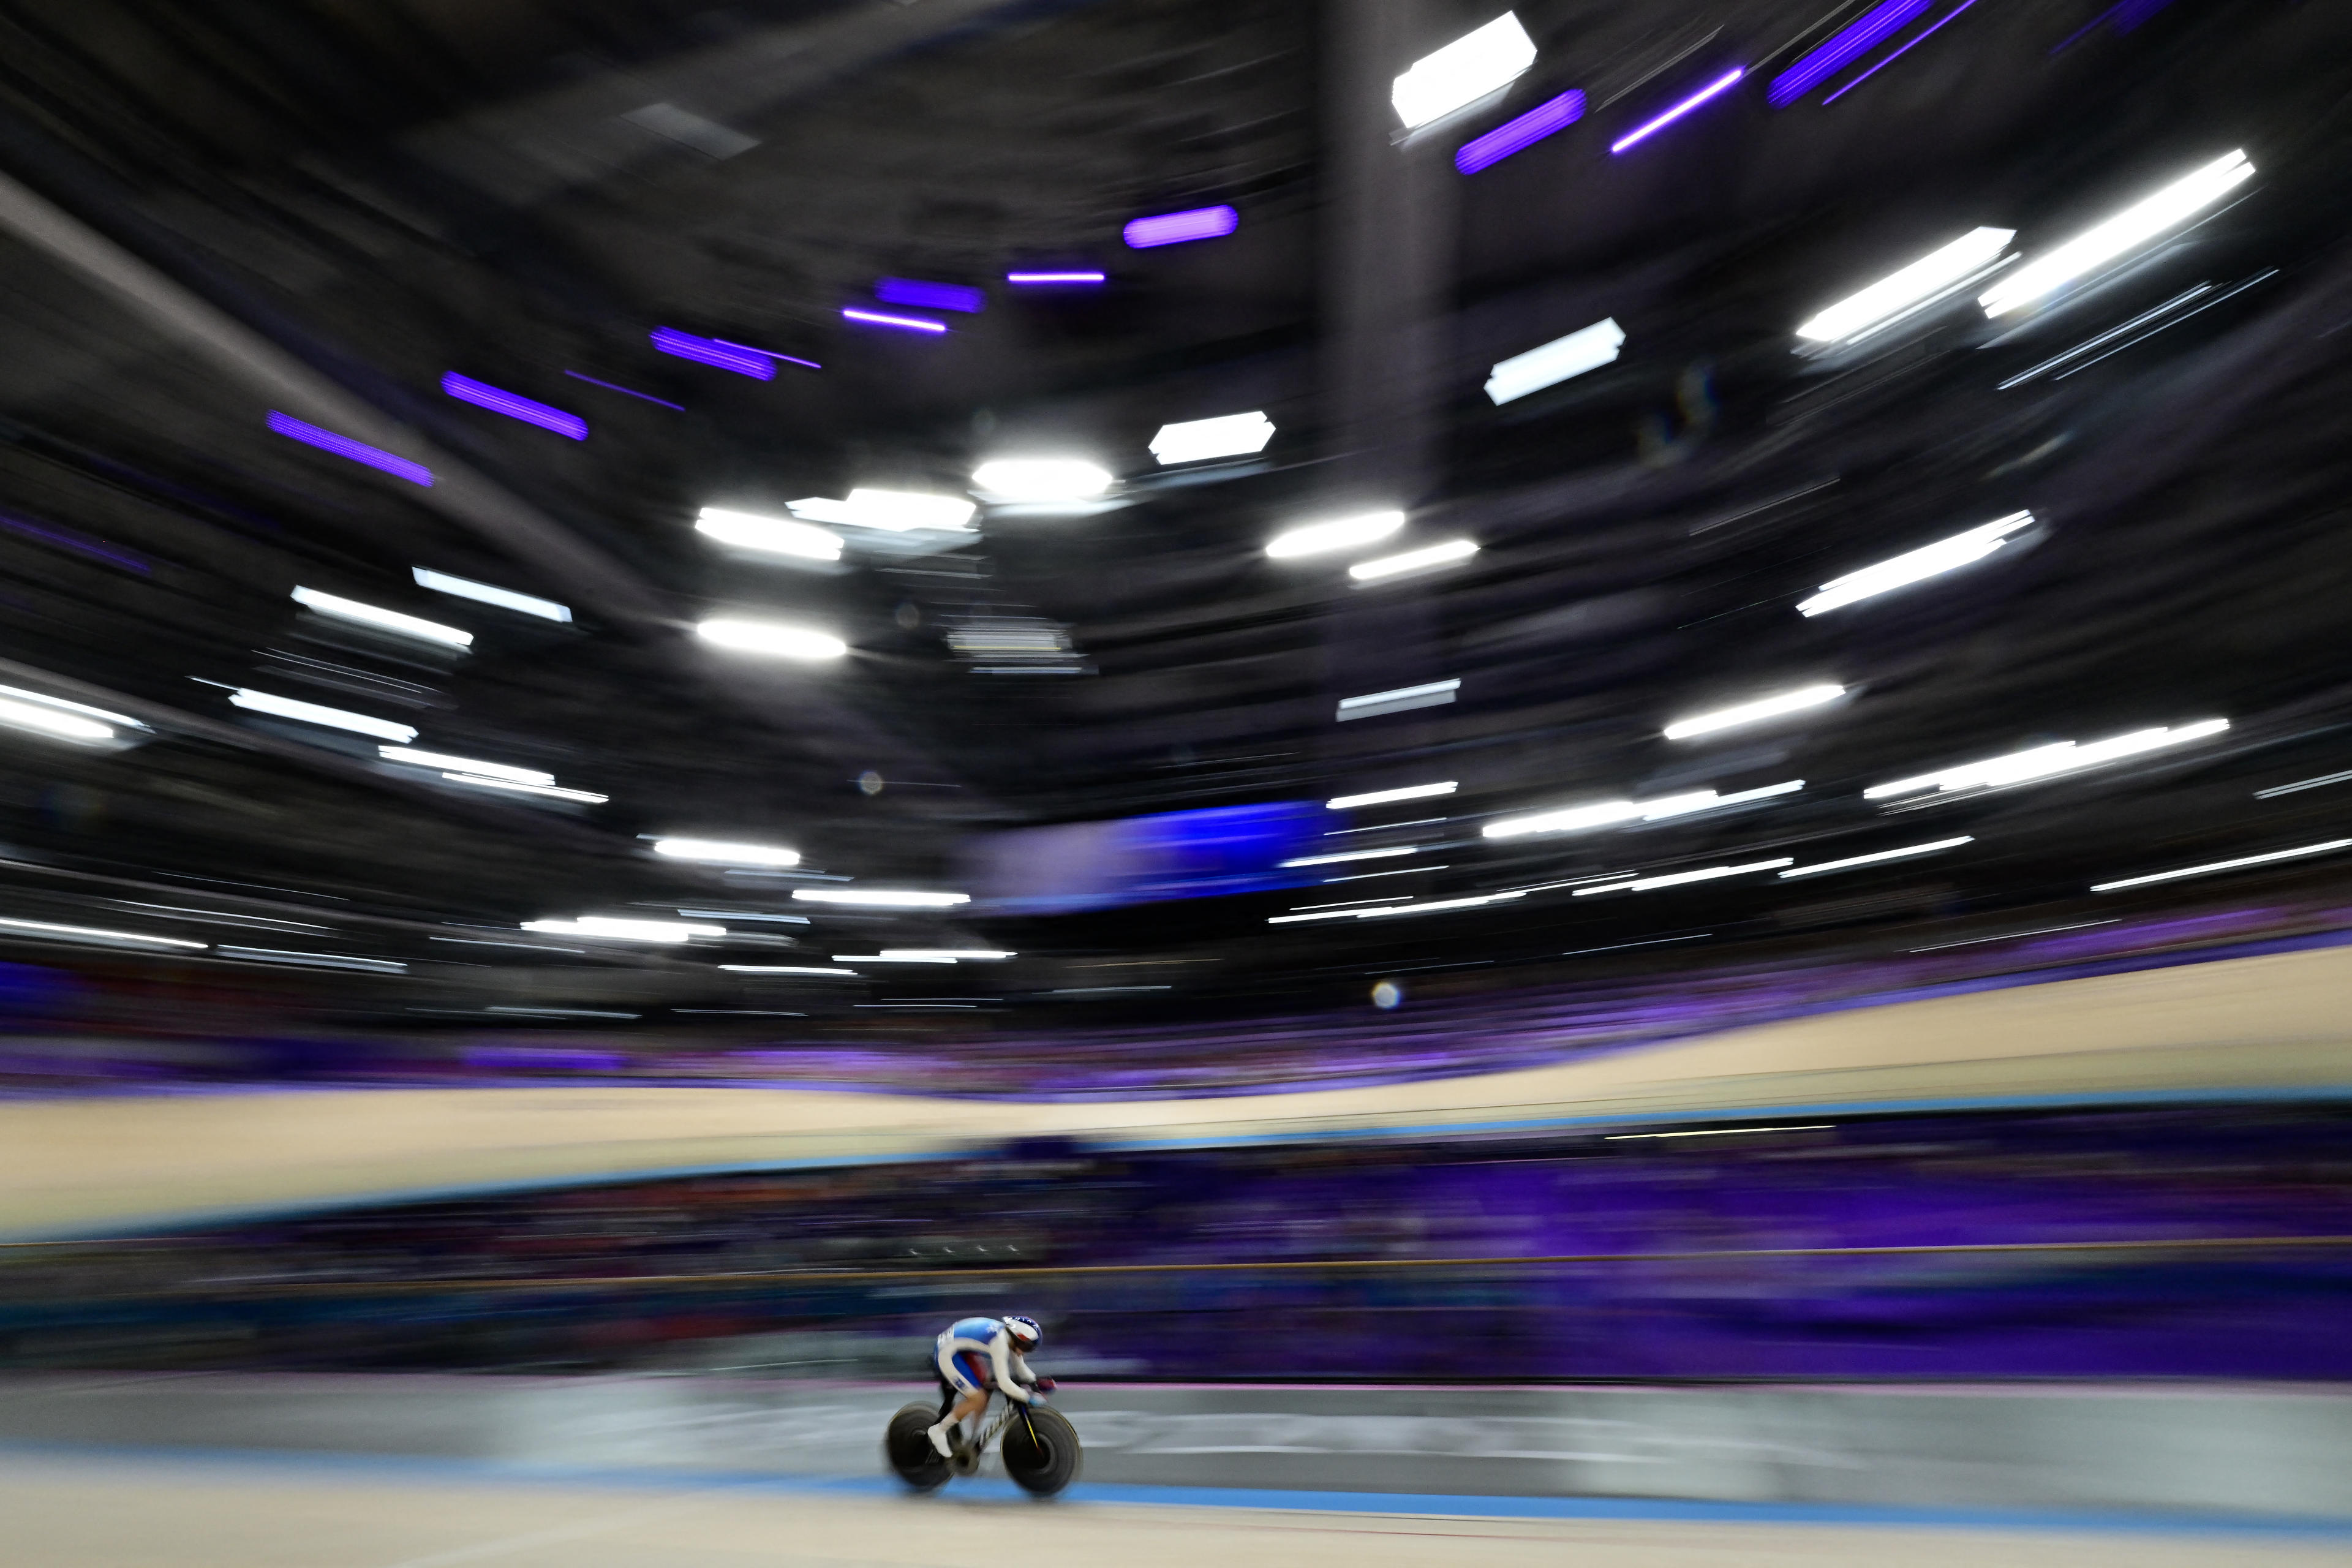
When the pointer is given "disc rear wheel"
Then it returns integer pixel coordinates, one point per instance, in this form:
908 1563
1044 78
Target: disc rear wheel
908 1446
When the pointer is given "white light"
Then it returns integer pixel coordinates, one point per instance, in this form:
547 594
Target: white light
1937 272
1372 704
311 713
726 854
1328 915
880 897
1383 797
588 797
416 627
1464 71
315 960
464 765
1677 879
884 958
1340 533
1412 561
94 933
49 721
45 711
1548 364
1040 480
1436 905
2046 762
975 954
2142 221
623 931
1352 854
2328 848
1763 708
504 598
1227 435
774 535
1609 813
789 969
1938 847
771 637
1913 566
892 512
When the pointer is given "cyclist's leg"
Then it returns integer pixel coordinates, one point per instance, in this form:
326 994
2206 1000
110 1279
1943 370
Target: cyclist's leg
967 1376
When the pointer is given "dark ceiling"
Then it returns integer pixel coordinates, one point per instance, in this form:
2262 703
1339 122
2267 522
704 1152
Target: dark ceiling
215 212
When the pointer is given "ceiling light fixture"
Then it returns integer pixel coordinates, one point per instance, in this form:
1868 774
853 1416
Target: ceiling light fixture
770 637
2142 221
1181 228
1517 135
514 406
43 720
716 353
1405 698
1340 533
1464 71
310 434
1420 560
312 713
724 853
49 931
791 969
1610 813
773 535
1351 855
1839 49
886 957
2328 849
625 930
972 954
1434 906
1041 478
891 511
1547 364
483 593
1938 847
1677 879
1383 797
930 296
1763 708
2040 763
585 797
880 897
1929 278
464 765
1916 565
1718 84
1226 435
1033 280
385 620
884 319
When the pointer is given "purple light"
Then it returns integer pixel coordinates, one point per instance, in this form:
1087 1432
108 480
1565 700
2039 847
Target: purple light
1840 48
625 392
930 296
1923 35
1177 228
1052 278
65 539
747 348
713 352
1718 84
906 323
344 447
1525 131
481 394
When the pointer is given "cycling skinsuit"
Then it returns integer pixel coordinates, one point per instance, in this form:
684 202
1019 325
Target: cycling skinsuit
976 1353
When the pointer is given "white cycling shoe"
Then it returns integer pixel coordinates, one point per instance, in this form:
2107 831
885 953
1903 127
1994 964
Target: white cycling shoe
939 1435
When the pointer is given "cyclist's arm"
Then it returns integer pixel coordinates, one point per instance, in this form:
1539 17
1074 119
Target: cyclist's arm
1011 1372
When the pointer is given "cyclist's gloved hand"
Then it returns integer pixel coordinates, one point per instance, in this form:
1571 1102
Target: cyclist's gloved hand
1045 1385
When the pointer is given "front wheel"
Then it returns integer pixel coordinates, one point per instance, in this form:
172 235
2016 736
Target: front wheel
908 1446
1041 1451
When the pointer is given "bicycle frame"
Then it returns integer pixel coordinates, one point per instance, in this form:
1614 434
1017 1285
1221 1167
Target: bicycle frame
990 1431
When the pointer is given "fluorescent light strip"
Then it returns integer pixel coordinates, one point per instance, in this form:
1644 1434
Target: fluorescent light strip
972 954
725 853
2040 763
2013 935
1720 84
1340 533
774 535
1351 855
1763 708
514 406
791 969
1611 812
770 637
1722 1133
2328 849
1438 906
43 720
1036 278
344 447
883 319
93 934
744 915
1372 704
893 511
2142 221
1913 42
625 391
483 593
1408 792
1041 478
665 931
1517 135
714 352
312 713
42 700
1368 876
930 296
1483 60
1347 914
2108 336
1936 847
1181 228
313 959
1916 565
884 958
1841 49
1547 364
2302 785
1420 559
1225 435
585 797
416 627
880 897
1932 274
1677 879
468 766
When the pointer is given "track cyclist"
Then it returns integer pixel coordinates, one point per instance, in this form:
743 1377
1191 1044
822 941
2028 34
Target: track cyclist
978 1355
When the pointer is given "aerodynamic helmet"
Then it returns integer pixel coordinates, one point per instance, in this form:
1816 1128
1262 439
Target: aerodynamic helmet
1026 1335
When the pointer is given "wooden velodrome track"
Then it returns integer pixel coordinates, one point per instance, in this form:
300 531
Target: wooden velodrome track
2281 1023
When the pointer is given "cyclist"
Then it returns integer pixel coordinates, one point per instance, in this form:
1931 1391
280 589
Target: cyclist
977 1354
